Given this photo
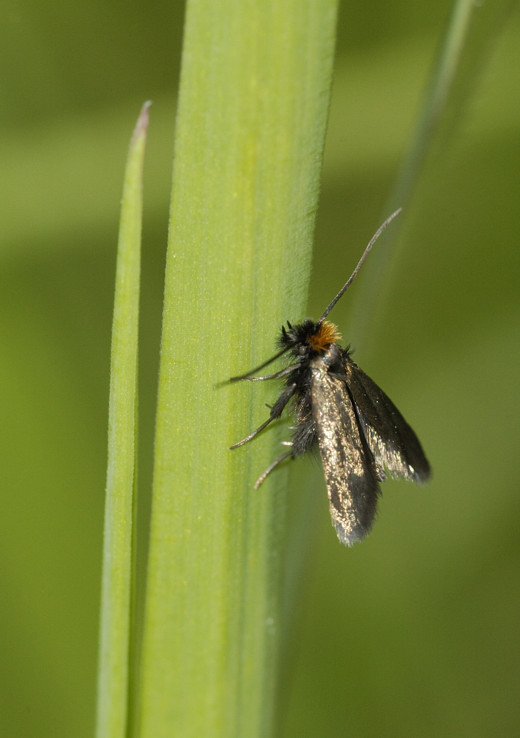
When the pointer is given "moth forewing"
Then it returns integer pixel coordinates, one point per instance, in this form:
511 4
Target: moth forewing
391 440
348 465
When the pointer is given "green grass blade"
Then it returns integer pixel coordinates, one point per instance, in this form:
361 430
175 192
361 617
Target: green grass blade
441 83
461 55
117 582
254 97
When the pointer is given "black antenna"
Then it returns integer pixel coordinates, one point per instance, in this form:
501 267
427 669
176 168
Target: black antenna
360 263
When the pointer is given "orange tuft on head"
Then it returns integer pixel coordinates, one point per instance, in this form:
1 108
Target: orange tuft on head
326 334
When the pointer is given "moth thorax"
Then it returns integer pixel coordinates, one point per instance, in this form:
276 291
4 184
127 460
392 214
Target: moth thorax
326 335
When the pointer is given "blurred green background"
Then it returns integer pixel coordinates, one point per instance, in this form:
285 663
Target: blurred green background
414 632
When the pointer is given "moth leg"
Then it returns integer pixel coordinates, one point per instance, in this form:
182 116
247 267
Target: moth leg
252 435
261 366
276 375
276 411
270 468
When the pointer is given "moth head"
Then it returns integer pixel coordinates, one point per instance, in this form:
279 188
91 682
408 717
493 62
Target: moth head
309 338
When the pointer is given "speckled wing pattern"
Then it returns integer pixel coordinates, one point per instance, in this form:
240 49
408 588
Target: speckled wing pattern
348 464
393 443
360 434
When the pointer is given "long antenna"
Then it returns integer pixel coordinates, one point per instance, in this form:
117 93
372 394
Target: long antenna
360 263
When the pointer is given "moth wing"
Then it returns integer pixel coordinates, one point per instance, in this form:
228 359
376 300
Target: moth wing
391 440
348 464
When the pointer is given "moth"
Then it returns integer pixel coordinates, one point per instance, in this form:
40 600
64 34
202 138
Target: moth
360 433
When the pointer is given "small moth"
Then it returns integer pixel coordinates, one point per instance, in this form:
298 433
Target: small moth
359 431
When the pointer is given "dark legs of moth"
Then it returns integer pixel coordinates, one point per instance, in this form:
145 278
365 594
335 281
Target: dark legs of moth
276 411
